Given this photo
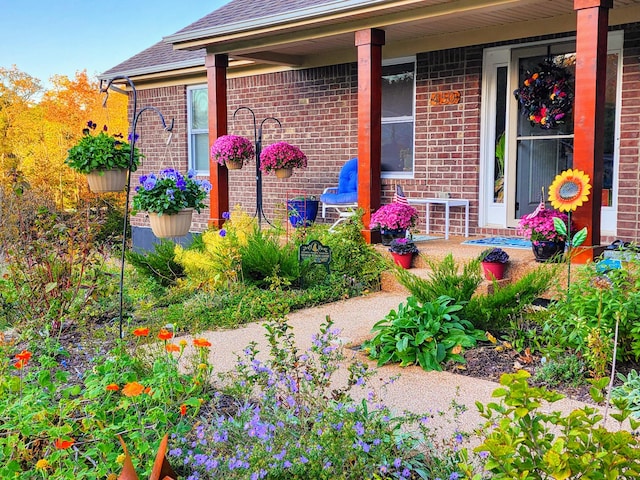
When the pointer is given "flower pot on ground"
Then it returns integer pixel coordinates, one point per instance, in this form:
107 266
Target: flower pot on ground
402 250
281 158
493 261
548 250
546 242
168 194
393 220
232 150
302 212
103 155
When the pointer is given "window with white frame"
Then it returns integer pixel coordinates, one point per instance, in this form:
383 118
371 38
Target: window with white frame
197 125
398 101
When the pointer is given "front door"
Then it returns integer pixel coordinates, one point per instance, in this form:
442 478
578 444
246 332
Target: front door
541 153
520 160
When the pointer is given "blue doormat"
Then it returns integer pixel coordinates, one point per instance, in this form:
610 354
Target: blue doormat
503 242
423 238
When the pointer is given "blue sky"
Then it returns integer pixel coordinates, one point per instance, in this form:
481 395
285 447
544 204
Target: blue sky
59 37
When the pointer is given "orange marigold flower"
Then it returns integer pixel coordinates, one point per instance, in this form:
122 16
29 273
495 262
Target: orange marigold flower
113 387
172 347
183 409
19 364
201 342
64 444
132 389
165 334
141 332
24 355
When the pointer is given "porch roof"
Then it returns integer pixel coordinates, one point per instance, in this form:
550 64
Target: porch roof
281 34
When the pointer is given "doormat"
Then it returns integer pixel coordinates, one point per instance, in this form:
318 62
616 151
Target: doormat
503 242
423 238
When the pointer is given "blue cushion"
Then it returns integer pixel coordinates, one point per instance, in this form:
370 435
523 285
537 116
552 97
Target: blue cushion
348 179
349 197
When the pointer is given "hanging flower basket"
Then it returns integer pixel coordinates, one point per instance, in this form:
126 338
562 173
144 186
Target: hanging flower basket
232 151
102 181
546 96
281 158
171 225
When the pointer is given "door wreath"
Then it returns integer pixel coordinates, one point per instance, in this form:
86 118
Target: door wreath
546 96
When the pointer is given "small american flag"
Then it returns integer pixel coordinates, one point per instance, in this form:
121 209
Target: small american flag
541 206
399 197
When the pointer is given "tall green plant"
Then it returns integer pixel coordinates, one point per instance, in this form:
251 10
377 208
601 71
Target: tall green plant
445 279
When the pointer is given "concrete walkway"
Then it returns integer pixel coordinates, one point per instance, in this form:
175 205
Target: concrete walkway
415 390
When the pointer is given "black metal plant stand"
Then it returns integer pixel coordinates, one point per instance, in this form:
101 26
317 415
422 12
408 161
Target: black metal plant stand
104 88
257 137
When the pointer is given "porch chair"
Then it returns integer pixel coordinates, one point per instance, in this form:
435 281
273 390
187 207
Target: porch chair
343 198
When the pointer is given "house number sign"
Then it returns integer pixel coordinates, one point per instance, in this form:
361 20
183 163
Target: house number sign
445 98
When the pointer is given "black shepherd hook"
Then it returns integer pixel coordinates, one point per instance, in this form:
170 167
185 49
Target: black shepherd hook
104 88
257 138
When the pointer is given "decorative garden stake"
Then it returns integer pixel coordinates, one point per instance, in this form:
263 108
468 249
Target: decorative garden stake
569 190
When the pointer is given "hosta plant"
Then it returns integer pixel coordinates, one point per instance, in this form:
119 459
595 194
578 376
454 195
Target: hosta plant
428 334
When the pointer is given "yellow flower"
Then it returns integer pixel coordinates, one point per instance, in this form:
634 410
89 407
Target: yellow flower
569 190
42 464
121 458
112 476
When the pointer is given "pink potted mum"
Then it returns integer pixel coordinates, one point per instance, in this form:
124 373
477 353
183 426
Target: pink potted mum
282 158
232 151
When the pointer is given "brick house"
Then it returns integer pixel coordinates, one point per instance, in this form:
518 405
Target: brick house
420 91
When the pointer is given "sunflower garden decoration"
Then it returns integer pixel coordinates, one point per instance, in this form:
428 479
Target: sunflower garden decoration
546 96
569 190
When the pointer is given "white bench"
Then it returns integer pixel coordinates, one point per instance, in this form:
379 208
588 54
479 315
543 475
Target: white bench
448 203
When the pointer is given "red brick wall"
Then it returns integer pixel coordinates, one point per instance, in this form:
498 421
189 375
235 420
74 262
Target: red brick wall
629 176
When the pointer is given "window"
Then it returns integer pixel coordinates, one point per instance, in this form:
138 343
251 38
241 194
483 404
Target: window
398 99
198 108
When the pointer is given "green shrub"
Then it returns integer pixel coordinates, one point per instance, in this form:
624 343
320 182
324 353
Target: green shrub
567 370
444 279
585 321
495 311
159 265
525 440
428 334
352 258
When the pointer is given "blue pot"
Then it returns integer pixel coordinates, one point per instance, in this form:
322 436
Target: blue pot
302 213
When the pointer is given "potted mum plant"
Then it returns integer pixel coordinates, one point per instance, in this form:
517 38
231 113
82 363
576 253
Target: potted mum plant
402 251
232 150
103 158
393 220
539 227
493 261
282 158
170 199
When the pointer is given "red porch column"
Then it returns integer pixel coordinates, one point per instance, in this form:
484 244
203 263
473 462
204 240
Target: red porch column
369 43
216 66
588 143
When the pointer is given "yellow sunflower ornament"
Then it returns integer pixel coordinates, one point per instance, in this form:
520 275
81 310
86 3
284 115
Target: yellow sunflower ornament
569 190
